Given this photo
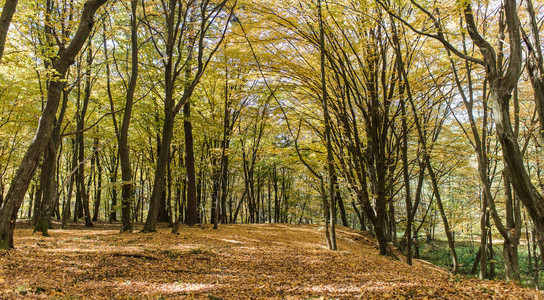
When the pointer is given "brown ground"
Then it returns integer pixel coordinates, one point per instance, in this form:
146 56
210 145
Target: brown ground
235 262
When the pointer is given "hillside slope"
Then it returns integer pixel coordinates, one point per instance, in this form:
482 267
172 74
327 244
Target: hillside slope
265 261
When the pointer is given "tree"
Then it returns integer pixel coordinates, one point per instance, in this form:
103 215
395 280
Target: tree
27 168
178 19
502 82
124 151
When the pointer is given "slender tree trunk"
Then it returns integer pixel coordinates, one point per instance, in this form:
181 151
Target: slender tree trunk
427 161
326 213
169 209
31 195
38 199
82 195
225 144
98 192
66 209
191 216
127 192
511 243
276 200
327 133
340 201
113 180
483 239
448 231
406 176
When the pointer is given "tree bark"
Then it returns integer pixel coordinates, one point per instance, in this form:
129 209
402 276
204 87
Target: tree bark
5 19
98 191
175 18
127 192
50 193
327 134
160 171
83 196
191 216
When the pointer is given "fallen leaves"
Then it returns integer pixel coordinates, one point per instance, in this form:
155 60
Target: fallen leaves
261 261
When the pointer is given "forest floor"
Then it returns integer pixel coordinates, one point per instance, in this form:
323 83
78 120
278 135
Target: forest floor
265 261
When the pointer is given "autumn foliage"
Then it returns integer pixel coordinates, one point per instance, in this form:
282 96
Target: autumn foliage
260 261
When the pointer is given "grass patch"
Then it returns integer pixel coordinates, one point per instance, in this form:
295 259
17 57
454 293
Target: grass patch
437 252
199 251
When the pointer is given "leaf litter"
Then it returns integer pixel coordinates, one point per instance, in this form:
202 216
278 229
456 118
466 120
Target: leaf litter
255 261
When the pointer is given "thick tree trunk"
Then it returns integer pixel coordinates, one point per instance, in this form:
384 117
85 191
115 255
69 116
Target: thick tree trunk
501 86
5 19
50 193
43 219
535 64
27 167
160 172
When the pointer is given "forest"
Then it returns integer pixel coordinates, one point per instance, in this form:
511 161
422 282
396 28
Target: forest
417 124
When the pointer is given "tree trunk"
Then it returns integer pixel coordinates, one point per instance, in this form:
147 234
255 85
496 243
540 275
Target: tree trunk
501 86
327 134
406 177
483 239
113 180
66 209
340 201
191 216
43 218
98 191
127 192
38 199
447 230
50 193
159 178
5 19
83 198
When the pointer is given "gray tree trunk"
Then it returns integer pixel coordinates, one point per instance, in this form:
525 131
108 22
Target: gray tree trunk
5 19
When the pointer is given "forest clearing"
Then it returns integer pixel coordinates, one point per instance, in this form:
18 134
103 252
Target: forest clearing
253 261
278 125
